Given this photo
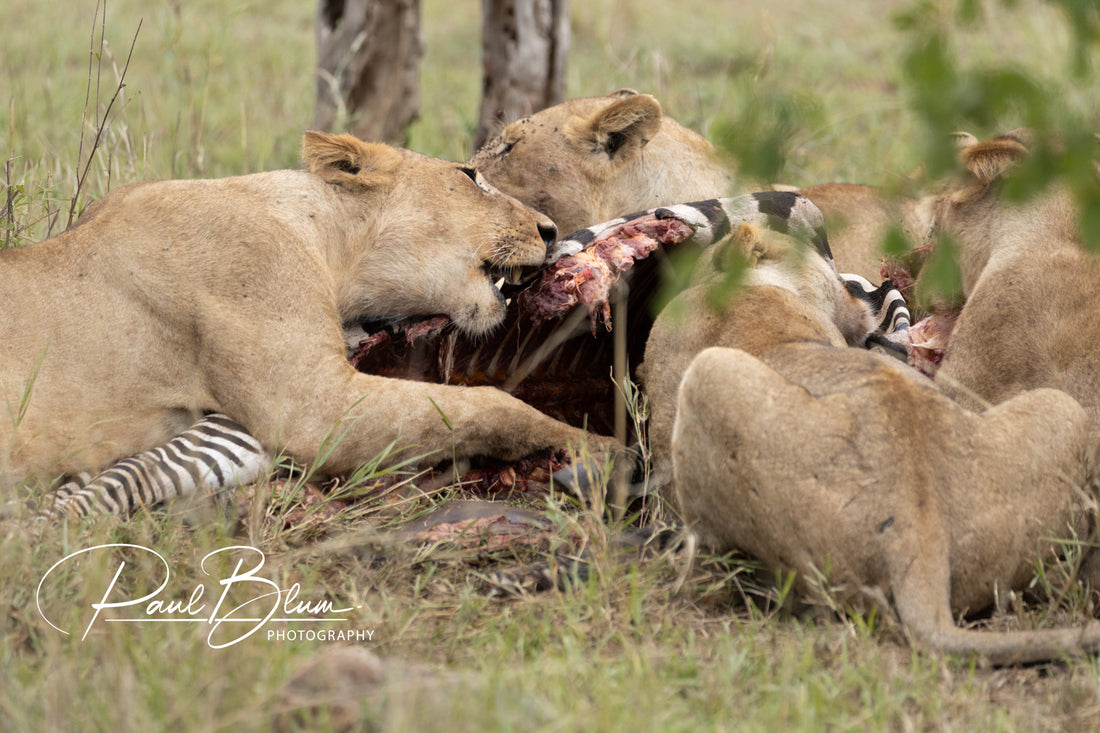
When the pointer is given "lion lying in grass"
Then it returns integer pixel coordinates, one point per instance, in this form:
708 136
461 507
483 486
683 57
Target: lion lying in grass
816 305
171 299
854 471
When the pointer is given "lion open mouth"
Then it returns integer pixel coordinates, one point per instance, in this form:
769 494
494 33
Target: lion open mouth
510 280
364 336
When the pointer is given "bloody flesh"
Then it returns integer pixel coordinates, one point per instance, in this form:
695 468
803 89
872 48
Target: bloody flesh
570 381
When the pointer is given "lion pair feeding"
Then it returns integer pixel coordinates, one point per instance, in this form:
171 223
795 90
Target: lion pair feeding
782 426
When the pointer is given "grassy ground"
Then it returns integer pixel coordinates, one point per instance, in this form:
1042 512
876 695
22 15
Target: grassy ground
216 89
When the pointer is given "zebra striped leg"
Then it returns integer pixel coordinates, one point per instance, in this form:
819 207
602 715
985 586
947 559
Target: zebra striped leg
891 316
214 454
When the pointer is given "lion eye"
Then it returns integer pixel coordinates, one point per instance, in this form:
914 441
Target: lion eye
506 148
474 176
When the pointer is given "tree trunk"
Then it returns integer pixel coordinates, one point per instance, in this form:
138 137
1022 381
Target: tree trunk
368 57
524 46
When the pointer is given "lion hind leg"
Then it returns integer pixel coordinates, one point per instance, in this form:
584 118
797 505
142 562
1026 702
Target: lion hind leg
213 455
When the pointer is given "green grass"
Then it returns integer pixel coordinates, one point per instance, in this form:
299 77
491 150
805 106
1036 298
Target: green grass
215 89
619 651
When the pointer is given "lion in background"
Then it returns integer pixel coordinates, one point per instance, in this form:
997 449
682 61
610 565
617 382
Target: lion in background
171 299
1031 311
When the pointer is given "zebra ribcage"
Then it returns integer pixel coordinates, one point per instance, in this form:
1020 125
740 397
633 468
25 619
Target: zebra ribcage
214 454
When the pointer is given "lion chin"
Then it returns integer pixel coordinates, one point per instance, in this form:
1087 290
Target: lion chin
483 314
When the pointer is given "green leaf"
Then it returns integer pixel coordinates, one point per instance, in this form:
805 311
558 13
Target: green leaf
446 421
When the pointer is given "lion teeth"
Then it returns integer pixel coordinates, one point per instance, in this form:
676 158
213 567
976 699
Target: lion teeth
510 275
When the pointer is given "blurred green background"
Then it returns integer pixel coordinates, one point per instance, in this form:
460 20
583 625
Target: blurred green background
217 88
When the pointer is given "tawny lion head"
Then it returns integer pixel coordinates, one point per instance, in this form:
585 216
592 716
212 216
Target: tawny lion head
433 237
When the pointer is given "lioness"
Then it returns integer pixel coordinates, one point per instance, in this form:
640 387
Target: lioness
856 472
1031 316
816 305
175 298
589 160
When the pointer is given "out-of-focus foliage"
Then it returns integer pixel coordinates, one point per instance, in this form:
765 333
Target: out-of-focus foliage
947 91
759 137
948 95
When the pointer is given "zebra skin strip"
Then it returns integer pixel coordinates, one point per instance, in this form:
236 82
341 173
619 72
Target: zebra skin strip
708 221
713 219
213 454
889 311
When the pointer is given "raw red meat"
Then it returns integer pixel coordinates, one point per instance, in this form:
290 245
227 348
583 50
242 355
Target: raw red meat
587 277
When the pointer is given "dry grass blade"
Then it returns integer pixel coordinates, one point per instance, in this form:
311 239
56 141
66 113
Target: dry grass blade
102 122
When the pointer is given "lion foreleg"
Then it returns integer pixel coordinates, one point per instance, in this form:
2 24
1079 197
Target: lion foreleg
346 420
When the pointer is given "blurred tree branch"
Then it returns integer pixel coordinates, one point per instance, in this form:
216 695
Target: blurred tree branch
368 59
524 47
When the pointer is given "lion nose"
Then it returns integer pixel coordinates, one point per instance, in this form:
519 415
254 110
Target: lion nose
549 233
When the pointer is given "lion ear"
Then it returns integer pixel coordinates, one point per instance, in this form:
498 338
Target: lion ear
988 159
963 140
345 160
622 128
